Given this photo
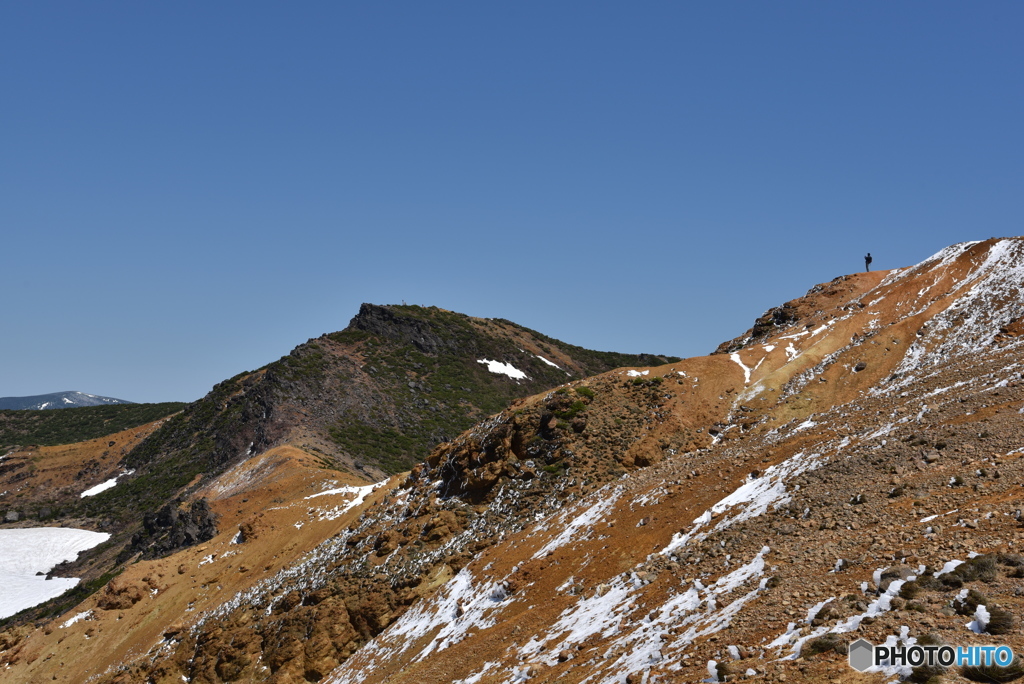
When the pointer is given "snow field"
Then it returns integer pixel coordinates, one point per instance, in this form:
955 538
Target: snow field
25 552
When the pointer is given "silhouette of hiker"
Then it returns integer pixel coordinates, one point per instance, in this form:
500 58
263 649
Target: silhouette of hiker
867 262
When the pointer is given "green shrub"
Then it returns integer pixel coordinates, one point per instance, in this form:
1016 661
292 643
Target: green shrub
910 590
1000 621
979 568
570 413
1014 560
67 426
825 644
970 603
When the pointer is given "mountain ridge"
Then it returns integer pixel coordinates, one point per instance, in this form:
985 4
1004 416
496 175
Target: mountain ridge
57 400
848 468
361 402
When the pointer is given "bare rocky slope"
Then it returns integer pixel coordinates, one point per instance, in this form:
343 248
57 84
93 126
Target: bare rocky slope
354 405
850 467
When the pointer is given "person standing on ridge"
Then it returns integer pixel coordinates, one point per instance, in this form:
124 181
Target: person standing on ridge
867 262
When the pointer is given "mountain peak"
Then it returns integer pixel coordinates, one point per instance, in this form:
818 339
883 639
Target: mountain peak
410 324
57 400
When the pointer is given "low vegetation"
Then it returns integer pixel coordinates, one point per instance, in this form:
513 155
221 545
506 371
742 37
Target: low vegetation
70 425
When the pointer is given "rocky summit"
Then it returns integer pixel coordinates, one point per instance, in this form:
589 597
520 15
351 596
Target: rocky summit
849 468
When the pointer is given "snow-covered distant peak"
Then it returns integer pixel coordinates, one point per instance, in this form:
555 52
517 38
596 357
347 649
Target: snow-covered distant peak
57 400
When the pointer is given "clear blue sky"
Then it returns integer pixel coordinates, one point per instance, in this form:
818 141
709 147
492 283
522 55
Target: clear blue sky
190 189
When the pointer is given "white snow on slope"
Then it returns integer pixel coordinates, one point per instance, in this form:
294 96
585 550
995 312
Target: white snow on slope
103 486
460 606
554 365
85 615
950 566
24 552
336 512
929 518
500 368
981 619
749 500
804 425
746 371
636 373
639 640
360 492
584 521
792 638
984 301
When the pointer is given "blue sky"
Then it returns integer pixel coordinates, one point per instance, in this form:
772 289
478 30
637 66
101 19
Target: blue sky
188 190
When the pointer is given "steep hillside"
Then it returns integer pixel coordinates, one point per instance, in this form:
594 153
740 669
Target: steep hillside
360 403
57 400
50 428
851 467
370 400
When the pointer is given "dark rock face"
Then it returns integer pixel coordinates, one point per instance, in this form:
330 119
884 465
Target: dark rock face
383 321
174 527
771 320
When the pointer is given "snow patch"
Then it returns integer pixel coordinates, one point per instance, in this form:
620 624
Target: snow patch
459 606
746 371
584 520
24 552
980 621
103 486
360 492
749 500
80 616
550 363
336 512
948 567
500 368
933 517
804 425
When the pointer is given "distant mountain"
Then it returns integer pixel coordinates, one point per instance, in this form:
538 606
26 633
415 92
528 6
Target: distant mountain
353 406
57 400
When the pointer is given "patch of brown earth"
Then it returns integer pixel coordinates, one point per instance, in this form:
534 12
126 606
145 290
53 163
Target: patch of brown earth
39 475
266 522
